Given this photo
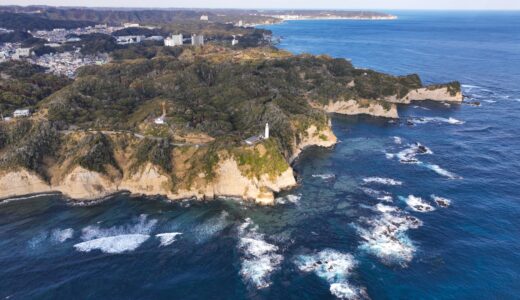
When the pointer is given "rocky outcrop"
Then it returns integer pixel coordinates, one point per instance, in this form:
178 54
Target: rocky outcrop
433 93
358 107
314 137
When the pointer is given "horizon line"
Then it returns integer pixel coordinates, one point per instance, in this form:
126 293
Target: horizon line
271 8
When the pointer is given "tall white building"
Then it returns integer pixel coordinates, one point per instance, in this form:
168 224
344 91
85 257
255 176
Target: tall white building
197 40
174 40
266 133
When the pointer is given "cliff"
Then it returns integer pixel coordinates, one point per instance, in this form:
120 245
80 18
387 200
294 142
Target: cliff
358 107
252 173
450 92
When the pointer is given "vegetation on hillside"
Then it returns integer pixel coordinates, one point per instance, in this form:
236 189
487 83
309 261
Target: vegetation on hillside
24 85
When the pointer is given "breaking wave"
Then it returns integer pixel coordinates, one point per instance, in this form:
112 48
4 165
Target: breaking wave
417 203
294 199
116 239
167 238
61 235
324 176
335 268
382 180
379 195
210 227
384 235
409 156
450 120
437 169
113 244
258 258
441 201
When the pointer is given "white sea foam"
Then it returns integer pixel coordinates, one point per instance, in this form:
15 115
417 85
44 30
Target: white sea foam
379 195
113 244
258 258
437 169
382 180
441 201
417 203
116 239
61 235
167 238
8 200
210 227
324 176
384 235
335 268
398 140
425 120
37 240
294 199
409 155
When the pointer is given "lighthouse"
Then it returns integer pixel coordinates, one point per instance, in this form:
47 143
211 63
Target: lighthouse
266 133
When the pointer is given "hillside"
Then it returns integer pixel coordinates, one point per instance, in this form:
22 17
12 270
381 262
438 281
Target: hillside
102 126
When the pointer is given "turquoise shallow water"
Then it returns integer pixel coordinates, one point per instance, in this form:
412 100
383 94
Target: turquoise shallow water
363 223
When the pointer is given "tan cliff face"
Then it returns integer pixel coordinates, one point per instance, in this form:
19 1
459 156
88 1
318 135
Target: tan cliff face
314 137
358 107
428 93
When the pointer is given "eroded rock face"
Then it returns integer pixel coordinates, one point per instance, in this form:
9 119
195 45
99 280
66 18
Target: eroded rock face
314 137
354 107
441 93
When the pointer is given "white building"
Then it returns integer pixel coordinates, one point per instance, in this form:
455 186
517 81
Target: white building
204 18
22 52
19 113
266 131
174 40
130 39
160 120
234 41
197 40
128 25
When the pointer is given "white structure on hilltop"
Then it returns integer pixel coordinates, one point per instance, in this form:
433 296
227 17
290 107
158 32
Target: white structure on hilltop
174 40
197 40
129 25
266 132
22 52
234 41
19 113
130 39
204 18
160 120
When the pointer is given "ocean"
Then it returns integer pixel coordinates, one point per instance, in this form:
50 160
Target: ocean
427 207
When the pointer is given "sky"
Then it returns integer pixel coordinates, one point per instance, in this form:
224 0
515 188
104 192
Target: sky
302 4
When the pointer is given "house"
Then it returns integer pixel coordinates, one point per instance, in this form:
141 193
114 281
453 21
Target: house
234 41
22 52
174 40
197 40
156 38
253 140
204 18
258 138
130 39
19 113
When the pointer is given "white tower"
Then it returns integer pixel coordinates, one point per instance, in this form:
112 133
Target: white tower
266 133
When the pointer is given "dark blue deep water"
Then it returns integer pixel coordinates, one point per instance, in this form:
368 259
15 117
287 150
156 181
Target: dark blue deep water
363 223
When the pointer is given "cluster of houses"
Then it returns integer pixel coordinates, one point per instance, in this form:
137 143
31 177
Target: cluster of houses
179 40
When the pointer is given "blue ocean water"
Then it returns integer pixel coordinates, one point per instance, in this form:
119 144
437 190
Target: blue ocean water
363 222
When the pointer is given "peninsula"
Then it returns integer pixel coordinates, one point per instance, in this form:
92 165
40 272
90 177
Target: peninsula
174 120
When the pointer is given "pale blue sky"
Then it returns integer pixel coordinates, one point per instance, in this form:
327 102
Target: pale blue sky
336 4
